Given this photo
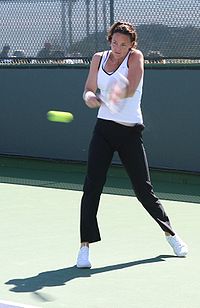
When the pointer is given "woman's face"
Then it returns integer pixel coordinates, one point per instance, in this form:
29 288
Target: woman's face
120 44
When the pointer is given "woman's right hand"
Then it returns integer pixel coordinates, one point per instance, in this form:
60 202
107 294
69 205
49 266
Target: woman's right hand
91 100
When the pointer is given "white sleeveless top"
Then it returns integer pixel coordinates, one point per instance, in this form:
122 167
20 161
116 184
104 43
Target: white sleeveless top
131 113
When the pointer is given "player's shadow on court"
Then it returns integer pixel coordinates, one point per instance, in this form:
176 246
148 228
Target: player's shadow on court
62 276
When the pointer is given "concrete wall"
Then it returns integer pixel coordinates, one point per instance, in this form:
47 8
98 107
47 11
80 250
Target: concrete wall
171 109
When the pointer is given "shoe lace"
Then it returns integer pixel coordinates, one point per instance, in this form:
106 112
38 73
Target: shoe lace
177 242
84 254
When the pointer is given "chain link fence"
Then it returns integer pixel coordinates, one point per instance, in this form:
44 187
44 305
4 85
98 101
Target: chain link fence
77 28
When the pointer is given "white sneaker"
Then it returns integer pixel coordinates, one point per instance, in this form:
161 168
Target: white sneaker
179 247
83 258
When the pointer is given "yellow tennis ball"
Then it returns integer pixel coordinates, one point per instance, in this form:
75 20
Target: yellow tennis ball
59 116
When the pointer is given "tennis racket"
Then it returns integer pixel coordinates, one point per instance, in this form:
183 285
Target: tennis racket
114 93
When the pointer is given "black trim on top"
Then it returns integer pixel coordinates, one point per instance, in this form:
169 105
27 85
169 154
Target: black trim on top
100 61
109 74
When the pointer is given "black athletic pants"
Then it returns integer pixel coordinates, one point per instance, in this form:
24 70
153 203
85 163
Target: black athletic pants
109 137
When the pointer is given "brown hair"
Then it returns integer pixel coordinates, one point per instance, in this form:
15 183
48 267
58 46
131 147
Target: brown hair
124 28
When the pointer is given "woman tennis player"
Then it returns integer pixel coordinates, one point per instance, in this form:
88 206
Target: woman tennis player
118 75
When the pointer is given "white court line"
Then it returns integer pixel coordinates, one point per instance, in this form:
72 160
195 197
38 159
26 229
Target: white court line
8 304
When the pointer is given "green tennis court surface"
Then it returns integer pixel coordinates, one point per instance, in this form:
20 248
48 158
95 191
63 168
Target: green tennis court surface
133 266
